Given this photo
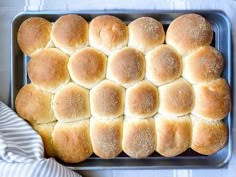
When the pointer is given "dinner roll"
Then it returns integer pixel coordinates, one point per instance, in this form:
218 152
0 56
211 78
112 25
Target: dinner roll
126 66
34 34
87 67
47 69
107 33
163 65
203 65
141 100
71 103
176 98
106 136
139 137
188 32
34 105
70 32
212 99
71 141
208 137
173 134
45 131
145 33
107 100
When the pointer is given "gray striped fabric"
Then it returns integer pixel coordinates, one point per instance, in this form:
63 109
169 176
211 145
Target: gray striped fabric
21 150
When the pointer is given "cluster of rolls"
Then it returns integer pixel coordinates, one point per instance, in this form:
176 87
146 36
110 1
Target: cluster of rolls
105 87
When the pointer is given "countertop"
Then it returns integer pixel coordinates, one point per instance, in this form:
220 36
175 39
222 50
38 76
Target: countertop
9 8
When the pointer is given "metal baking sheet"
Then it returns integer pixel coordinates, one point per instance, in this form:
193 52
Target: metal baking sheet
189 159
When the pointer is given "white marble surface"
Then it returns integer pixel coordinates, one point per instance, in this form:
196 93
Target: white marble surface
9 8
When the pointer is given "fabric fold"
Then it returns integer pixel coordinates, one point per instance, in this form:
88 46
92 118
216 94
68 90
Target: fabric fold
18 141
22 151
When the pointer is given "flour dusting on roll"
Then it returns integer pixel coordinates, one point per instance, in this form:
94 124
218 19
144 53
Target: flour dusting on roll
126 66
139 137
189 32
145 33
108 33
107 100
163 65
34 34
203 65
71 103
106 136
141 100
69 33
176 98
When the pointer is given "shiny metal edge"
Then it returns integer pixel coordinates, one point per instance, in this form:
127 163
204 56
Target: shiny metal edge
214 161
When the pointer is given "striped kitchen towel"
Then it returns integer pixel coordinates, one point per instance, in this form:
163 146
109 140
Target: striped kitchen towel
21 150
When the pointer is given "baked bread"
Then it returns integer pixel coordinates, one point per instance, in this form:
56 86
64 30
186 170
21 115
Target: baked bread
208 136
145 33
122 76
108 33
71 103
34 105
176 98
189 32
139 137
47 69
203 65
141 100
173 134
212 99
106 136
45 131
70 32
34 34
87 67
126 66
107 100
163 65
71 141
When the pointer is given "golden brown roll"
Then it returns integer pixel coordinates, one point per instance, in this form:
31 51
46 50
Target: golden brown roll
71 141
87 67
176 98
107 100
163 65
47 69
71 103
212 99
208 136
145 33
126 66
34 34
188 32
106 136
108 33
173 134
139 137
34 105
203 65
70 32
141 100
45 131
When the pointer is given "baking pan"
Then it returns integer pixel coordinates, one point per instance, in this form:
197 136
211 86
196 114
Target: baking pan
189 159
